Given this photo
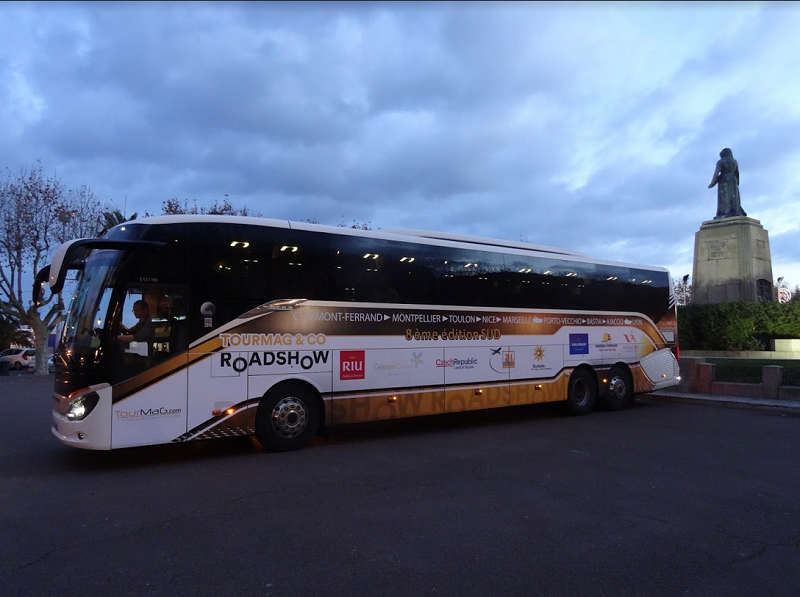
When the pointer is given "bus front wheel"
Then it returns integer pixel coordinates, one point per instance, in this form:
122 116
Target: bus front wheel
582 392
287 417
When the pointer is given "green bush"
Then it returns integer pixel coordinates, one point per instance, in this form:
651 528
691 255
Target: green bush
737 326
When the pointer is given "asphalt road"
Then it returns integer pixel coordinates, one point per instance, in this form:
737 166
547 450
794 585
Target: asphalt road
662 499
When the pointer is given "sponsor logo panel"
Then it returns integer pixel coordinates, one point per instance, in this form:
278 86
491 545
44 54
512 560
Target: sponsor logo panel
502 359
351 364
579 344
606 344
631 344
538 360
389 368
398 363
468 364
617 344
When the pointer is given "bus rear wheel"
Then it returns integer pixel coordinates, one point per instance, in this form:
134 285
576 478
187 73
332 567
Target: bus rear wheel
287 417
582 392
619 392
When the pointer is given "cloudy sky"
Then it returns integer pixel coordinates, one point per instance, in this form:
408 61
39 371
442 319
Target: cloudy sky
590 126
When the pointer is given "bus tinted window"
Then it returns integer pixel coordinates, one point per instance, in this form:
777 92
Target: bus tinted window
384 271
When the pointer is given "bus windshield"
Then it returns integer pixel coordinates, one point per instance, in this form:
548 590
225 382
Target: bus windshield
86 318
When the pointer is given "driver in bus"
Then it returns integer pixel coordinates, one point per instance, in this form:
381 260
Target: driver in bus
144 330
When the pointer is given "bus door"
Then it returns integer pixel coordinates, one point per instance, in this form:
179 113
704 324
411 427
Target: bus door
218 374
150 365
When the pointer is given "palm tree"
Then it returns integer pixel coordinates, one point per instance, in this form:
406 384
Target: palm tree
11 335
109 219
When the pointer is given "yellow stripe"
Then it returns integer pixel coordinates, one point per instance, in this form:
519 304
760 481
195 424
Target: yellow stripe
377 406
172 365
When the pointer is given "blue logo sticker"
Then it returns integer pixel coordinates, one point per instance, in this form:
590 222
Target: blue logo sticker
579 344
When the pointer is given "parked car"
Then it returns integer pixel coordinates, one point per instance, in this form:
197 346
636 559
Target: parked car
17 358
51 365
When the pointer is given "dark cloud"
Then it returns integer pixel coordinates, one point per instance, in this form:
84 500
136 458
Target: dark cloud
591 127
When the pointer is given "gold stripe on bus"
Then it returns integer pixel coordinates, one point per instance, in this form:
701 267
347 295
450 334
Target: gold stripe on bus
367 406
378 407
540 390
520 322
160 371
641 383
210 345
172 365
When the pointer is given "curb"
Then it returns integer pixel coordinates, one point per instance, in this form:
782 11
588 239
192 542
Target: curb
785 406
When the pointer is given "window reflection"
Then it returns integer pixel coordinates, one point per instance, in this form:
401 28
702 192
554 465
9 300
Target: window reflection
241 267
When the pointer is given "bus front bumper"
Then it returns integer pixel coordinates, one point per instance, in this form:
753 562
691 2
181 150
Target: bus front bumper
92 432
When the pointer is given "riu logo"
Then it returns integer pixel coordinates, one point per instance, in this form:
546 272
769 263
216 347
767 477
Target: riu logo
351 364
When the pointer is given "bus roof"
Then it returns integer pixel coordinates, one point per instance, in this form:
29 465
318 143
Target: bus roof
477 240
408 235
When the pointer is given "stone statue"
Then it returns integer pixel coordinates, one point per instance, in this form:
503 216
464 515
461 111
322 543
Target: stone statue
726 178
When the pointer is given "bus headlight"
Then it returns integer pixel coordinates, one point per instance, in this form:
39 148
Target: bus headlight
81 406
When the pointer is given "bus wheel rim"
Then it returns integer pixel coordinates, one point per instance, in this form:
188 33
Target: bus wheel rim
617 387
289 417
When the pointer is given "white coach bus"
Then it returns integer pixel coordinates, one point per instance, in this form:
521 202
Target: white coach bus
281 329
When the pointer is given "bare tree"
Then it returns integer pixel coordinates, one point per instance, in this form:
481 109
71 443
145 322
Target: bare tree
683 291
78 213
781 291
36 215
224 208
342 224
355 225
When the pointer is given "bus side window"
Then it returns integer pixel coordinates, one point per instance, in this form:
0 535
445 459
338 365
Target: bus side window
136 337
171 335
178 338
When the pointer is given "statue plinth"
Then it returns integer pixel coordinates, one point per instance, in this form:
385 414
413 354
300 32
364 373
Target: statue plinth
732 262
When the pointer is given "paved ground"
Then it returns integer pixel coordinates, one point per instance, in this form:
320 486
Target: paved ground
662 499
674 395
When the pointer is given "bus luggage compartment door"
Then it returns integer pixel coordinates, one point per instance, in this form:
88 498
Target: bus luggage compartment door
661 367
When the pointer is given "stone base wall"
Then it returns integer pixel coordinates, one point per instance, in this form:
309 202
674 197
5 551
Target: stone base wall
732 262
743 354
697 377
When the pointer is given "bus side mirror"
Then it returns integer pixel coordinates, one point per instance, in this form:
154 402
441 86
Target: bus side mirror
38 285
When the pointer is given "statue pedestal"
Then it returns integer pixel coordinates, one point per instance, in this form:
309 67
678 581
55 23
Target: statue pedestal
732 262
